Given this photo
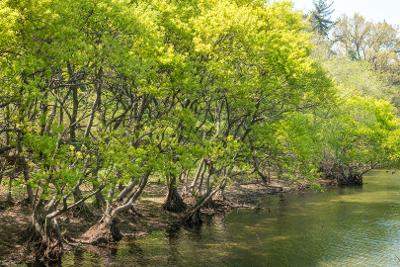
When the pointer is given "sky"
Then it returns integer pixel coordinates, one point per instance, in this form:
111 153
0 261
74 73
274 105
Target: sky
376 10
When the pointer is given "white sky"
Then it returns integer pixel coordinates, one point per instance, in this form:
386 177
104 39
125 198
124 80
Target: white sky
377 10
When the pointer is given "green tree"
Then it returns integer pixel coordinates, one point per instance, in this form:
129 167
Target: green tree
320 17
356 137
97 98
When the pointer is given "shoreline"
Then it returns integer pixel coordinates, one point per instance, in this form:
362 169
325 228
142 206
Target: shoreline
146 217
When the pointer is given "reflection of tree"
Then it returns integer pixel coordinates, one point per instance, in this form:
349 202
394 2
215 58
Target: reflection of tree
219 223
78 257
335 228
138 254
172 235
310 229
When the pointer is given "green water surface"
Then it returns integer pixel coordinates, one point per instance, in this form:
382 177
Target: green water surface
339 227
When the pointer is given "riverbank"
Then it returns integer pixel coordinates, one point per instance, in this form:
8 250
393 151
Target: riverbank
147 216
341 226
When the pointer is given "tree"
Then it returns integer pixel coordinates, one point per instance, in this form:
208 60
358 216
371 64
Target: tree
68 72
321 17
98 98
357 138
377 43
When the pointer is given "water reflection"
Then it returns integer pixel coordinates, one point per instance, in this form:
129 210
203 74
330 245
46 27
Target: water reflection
341 227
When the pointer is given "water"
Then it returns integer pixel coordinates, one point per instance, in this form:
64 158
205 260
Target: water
341 227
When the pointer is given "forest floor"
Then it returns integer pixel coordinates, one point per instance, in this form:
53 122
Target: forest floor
146 216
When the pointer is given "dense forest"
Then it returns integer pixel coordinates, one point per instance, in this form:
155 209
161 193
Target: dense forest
100 98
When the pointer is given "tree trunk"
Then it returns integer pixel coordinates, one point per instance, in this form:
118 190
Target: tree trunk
9 194
192 217
256 166
174 201
106 231
74 116
25 170
100 202
81 210
96 103
23 165
44 237
198 174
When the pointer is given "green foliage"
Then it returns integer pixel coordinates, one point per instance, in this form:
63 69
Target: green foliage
359 78
360 131
102 92
321 17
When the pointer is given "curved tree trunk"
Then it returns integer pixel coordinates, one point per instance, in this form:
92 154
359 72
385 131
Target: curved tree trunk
256 165
192 217
44 236
106 230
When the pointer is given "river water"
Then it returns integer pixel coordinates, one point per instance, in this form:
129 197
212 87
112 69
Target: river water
339 227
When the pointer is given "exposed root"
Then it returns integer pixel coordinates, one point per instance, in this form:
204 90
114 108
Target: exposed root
194 220
174 202
106 231
44 247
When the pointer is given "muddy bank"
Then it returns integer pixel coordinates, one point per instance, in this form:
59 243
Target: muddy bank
146 216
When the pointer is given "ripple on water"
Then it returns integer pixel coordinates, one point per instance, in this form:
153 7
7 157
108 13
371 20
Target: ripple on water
340 227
